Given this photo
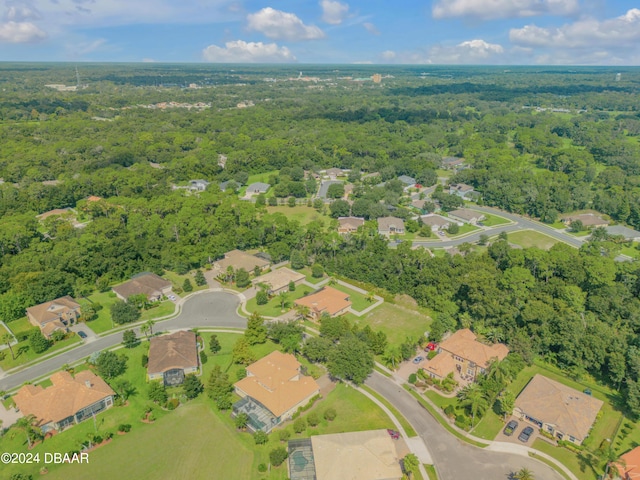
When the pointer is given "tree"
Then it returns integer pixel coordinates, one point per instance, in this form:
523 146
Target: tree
242 353
317 271
472 396
339 208
410 464
6 339
199 278
149 325
484 239
507 402
261 297
129 339
242 278
291 201
219 388
256 331
317 349
157 393
241 421
350 360
214 344
297 259
335 190
577 226
26 425
523 474
313 419
453 228
299 425
187 286
123 312
124 388
110 365
38 342
392 356
292 286
277 456
283 300
260 437
192 386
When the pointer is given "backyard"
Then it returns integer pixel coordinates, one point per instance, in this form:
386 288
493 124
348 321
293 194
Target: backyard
398 322
358 300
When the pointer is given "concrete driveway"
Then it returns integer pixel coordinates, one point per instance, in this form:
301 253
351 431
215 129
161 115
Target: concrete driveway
8 417
82 327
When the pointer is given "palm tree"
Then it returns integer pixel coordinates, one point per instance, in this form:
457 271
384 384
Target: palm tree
472 396
150 323
369 297
410 463
144 329
302 310
26 425
523 474
283 299
6 339
392 355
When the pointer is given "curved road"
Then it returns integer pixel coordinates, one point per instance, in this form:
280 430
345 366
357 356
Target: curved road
203 309
454 459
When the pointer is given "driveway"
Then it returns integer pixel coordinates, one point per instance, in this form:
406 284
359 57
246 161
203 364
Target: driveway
204 309
82 327
453 458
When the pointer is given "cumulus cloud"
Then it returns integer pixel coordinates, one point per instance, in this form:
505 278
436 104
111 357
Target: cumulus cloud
468 52
239 51
282 25
20 32
333 12
492 9
371 28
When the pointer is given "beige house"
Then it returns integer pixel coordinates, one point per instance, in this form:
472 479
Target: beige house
437 223
461 353
68 401
589 220
171 357
273 390
329 300
349 224
55 315
238 259
462 190
278 280
559 410
388 226
467 216
149 284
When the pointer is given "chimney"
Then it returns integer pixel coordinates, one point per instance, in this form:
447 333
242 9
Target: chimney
87 383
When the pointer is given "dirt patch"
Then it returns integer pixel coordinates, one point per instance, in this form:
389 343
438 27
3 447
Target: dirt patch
405 300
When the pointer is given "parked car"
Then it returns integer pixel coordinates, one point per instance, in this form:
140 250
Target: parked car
172 297
525 434
395 435
417 360
431 346
81 334
510 428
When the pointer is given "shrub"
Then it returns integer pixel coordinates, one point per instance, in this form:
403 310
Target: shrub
261 297
277 456
203 357
317 271
431 354
97 439
284 435
260 437
462 422
413 378
300 425
173 404
108 435
262 468
450 411
124 427
330 414
145 360
313 419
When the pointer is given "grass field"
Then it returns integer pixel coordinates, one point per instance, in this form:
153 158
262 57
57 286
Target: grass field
272 308
431 471
358 300
20 325
580 468
396 321
631 251
494 220
24 354
464 229
307 273
301 213
529 238
178 281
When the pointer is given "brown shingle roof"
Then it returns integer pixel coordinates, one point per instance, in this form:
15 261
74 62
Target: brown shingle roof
463 344
149 284
441 365
436 220
386 223
178 350
275 381
239 259
50 311
350 223
64 398
328 299
466 214
570 411
279 278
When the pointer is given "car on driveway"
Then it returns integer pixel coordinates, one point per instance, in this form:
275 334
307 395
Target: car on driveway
525 434
82 335
172 298
395 435
417 360
510 428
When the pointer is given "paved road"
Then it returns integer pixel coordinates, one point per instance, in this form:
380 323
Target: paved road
454 459
206 309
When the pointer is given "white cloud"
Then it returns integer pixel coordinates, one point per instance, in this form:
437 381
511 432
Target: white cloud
491 9
21 12
388 55
371 28
333 12
239 51
468 52
282 25
20 32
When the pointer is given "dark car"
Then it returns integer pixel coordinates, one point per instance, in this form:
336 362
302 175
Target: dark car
525 434
510 428
81 334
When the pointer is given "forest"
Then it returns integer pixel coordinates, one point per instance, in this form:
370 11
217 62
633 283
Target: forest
539 142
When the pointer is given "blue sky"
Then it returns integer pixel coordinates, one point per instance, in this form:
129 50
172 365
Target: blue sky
504 32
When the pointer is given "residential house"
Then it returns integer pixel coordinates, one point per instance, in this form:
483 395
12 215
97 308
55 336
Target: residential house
223 185
273 390
67 401
149 284
628 466
388 226
562 411
462 190
93 198
453 163
407 181
53 213
419 205
198 185
257 188
278 280
238 259
55 315
437 223
461 353
626 232
171 357
589 220
334 173
467 216
371 455
349 224
329 300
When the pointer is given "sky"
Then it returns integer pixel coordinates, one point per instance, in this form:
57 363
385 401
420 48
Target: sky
439 32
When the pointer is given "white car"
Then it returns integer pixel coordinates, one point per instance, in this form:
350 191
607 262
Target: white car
171 297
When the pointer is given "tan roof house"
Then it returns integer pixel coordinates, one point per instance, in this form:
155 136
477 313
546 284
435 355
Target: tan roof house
437 222
467 216
238 259
278 280
149 284
461 353
388 226
334 173
589 220
69 400
173 356
559 410
329 300
56 212
462 190
55 315
349 224
628 466
273 390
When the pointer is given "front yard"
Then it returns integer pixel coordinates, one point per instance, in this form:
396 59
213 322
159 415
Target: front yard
273 307
396 321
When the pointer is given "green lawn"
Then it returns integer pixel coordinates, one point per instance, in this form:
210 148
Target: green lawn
24 354
431 471
489 426
358 300
20 325
579 467
272 308
464 229
494 220
309 277
396 321
178 281
530 238
631 251
301 213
